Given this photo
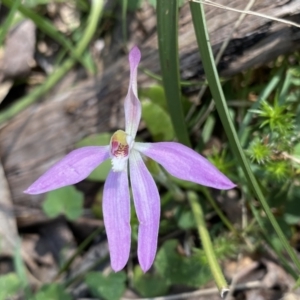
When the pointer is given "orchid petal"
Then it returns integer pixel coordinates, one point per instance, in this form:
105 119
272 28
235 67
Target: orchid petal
184 163
74 167
116 214
132 105
147 206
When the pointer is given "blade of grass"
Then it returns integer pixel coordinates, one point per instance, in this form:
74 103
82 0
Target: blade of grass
167 30
11 111
266 92
202 36
8 21
266 236
47 28
124 21
285 87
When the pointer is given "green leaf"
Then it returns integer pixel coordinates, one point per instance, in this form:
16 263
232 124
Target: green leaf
149 285
156 94
133 5
186 220
153 3
162 130
102 139
109 287
67 201
282 221
20 267
292 207
10 284
208 128
167 30
177 269
296 152
52 291
21 271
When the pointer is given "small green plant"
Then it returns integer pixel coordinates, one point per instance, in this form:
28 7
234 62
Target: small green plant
274 140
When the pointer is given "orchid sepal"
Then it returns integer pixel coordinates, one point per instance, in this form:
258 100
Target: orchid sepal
132 105
186 164
73 168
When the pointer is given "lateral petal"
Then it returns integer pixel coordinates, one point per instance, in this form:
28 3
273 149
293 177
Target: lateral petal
74 167
132 105
116 214
147 206
184 163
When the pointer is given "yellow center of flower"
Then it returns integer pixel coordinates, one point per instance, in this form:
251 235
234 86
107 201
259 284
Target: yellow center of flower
120 144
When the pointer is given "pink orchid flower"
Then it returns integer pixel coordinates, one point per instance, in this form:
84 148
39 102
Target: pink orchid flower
177 159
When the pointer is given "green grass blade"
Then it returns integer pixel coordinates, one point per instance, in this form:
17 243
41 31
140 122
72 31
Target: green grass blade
202 36
167 29
262 96
124 21
267 238
8 21
11 111
47 28
285 87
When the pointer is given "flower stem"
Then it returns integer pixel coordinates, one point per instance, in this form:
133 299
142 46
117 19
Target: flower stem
207 244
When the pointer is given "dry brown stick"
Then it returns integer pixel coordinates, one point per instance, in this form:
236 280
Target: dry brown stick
248 12
204 292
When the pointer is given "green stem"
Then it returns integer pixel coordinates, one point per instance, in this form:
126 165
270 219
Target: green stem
167 30
11 111
207 244
8 21
217 92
